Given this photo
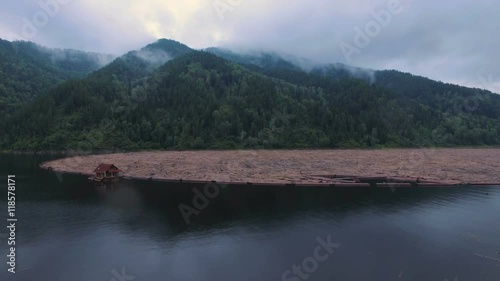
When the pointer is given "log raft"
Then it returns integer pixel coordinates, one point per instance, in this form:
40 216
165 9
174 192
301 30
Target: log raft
334 181
110 173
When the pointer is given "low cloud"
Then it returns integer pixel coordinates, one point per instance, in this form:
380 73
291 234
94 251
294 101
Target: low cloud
58 55
449 41
153 57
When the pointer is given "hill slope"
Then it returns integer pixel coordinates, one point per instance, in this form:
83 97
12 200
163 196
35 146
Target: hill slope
197 100
28 70
469 116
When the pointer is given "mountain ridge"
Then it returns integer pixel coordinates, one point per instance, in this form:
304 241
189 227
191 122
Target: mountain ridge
198 100
29 70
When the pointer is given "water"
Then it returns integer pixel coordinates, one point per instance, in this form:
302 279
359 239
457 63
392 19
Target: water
75 230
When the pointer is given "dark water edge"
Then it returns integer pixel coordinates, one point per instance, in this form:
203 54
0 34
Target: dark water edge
71 229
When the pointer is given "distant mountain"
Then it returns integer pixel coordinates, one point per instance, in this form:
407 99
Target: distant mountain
138 64
168 96
269 61
28 70
445 97
263 60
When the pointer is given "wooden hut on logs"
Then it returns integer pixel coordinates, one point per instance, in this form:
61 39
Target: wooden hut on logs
106 173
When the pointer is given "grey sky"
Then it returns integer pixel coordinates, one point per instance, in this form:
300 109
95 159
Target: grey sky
452 41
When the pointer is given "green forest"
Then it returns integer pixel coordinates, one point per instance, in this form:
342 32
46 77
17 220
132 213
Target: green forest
28 70
168 96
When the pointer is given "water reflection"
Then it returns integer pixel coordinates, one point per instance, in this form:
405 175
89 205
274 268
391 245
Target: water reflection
77 230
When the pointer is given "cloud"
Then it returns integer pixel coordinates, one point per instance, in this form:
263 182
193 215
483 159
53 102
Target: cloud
153 57
452 41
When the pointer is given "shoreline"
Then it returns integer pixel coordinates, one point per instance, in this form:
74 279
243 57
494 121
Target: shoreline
74 152
296 167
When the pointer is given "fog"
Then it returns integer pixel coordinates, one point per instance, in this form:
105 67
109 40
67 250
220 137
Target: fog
450 41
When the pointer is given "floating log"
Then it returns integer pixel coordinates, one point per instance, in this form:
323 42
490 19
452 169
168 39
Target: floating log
329 181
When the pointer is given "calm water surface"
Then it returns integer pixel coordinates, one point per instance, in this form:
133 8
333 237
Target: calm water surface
73 230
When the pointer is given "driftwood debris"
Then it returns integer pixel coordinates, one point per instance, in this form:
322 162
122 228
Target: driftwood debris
486 257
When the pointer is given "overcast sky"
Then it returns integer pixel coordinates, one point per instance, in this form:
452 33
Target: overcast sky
453 41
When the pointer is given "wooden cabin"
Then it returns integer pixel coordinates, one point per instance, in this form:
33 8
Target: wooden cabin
106 172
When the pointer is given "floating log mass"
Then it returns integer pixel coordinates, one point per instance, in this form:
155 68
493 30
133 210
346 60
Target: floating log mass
361 168
331 181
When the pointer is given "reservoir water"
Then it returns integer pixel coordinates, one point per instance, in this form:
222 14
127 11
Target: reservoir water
70 229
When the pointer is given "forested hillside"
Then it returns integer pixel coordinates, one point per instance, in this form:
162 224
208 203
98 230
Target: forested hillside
28 70
469 116
264 60
198 100
169 96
